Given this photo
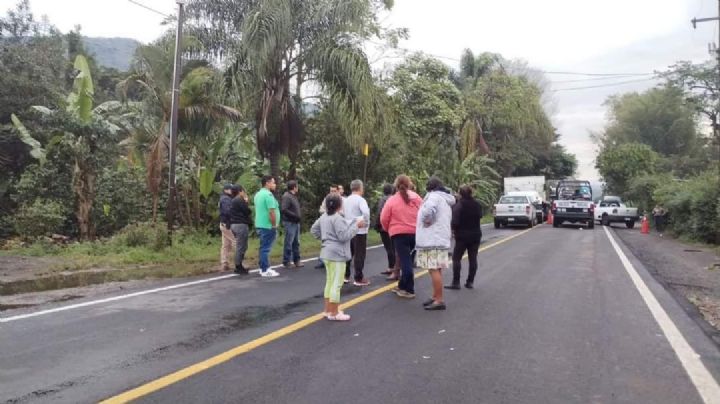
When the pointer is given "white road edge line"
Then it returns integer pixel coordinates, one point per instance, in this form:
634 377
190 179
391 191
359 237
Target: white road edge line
704 382
140 293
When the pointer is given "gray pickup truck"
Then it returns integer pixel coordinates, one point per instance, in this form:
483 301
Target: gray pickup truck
573 203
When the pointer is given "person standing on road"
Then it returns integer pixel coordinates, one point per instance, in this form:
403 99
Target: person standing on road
333 190
659 218
291 214
240 220
355 206
267 216
399 218
335 232
432 240
228 240
466 215
388 191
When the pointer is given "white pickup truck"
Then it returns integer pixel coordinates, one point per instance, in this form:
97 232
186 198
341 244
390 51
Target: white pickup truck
611 209
512 210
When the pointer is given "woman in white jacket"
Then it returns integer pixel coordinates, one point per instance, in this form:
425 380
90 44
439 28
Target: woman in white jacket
432 239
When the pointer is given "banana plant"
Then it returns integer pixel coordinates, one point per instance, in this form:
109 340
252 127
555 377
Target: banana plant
80 128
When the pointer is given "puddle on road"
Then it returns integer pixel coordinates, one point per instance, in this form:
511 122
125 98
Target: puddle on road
4 307
248 317
54 282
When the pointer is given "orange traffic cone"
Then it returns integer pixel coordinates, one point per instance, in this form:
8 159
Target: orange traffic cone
549 217
645 225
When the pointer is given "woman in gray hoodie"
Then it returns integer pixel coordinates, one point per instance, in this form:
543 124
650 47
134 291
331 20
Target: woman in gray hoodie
335 233
432 240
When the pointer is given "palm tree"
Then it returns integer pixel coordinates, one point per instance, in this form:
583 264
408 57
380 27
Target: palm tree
279 45
150 130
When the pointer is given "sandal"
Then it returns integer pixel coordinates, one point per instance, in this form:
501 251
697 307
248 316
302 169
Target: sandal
386 272
339 317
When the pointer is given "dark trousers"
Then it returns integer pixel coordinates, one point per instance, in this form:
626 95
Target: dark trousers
358 249
405 244
291 246
389 248
471 246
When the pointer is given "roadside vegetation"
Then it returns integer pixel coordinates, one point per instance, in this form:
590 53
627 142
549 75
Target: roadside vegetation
84 148
662 146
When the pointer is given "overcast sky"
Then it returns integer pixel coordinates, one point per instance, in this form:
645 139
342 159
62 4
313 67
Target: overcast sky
609 36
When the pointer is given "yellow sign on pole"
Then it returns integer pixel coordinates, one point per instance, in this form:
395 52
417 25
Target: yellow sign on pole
366 150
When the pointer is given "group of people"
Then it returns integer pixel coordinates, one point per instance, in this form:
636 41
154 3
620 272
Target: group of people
416 232
236 218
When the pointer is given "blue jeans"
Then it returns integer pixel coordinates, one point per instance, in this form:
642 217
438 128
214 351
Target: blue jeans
291 247
405 244
267 238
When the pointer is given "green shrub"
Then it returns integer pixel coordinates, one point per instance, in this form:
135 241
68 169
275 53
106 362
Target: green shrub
149 235
39 218
121 199
693 206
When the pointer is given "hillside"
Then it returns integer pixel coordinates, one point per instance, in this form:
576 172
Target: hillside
112 52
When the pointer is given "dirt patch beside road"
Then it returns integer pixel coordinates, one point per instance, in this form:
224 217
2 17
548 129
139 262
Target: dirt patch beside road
689 271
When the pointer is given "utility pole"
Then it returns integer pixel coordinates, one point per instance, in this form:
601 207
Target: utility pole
172 191
713 49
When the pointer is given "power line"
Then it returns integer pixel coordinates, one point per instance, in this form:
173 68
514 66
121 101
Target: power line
606 75
603 85
597 74
590 79
137 3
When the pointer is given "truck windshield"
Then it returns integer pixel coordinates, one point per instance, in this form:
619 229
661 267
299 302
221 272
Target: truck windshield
513 199
574 190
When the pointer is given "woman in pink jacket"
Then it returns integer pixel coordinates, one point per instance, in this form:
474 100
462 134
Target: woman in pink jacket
399 218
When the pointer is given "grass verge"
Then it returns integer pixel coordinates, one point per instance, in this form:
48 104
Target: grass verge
83 264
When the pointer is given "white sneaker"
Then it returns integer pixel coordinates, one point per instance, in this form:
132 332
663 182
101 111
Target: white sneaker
270 273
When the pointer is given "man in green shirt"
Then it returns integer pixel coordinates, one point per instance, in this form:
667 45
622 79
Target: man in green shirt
267 217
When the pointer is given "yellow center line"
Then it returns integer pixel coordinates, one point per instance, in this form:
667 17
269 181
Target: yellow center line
191 370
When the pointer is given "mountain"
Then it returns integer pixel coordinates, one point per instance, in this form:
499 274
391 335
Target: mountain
112 52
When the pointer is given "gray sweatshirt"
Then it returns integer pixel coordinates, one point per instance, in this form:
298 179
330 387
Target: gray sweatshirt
335 233
433 221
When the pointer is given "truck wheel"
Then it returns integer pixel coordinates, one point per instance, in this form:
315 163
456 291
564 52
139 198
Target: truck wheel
591 224
630 225
497 224
556 223
539 218
531 224
605 220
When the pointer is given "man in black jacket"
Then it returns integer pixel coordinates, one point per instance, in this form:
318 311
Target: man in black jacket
291 216
227 236
240 220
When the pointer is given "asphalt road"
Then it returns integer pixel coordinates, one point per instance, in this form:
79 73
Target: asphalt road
554 318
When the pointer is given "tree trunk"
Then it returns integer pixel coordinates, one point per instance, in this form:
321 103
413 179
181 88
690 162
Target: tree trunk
196 204
275 163
84 187
155 199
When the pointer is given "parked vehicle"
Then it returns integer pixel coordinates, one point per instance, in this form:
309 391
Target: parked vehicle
611 209
537 201
573 203
530 183
532 186
514 210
